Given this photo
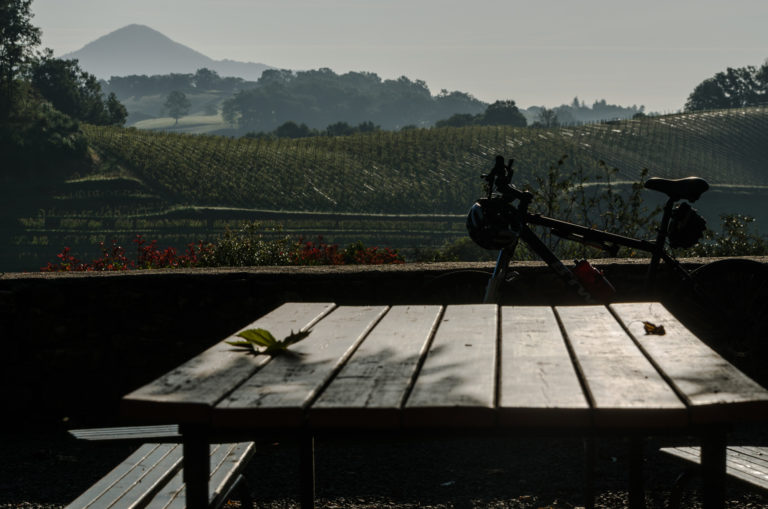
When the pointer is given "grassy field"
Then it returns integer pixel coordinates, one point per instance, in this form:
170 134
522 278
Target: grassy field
403 189
192 124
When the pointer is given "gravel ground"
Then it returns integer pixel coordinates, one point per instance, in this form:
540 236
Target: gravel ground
50 469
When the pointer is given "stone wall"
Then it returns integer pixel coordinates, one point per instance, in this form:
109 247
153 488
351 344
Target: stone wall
74 343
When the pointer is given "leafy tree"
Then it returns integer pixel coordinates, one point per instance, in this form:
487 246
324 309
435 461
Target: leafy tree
503 113
733 88
39 139
229 113
35 136
75 92
292 130
457 120
321 97
18 38
367 127
116 111
344 129
450 103
339 129
205 79
177 105
548 118
578 111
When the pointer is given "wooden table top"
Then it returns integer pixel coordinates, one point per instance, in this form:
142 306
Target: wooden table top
460 366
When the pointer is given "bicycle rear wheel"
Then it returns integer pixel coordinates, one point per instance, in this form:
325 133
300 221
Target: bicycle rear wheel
730 307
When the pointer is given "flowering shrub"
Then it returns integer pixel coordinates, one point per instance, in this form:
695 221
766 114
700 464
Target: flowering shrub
244 247
66 263
357 253
316 253
112 258
322 253
151 257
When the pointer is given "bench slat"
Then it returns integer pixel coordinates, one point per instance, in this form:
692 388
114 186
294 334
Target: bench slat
749 464
237 455
457 383
625 388
226 462
537 374
380 373
140 476
188 392
281 391
152 476
708 382
127 433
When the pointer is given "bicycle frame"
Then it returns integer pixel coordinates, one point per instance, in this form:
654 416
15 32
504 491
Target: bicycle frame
604 240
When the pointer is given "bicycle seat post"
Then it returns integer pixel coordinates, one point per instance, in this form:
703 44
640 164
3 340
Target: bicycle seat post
658 247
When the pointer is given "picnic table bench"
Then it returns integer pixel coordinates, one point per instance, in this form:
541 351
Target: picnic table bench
152 475
463 369
748 463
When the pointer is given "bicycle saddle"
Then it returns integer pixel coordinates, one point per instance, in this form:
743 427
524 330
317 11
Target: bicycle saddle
689 188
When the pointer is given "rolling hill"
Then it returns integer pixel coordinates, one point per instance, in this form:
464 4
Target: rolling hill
403 189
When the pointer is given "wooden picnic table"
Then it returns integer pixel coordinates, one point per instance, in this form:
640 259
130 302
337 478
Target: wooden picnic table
581 370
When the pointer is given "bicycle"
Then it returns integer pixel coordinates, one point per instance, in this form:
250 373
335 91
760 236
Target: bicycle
734 290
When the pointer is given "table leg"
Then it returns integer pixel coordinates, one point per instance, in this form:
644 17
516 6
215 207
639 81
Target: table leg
636 481
196 467
590 458
307 469
713 469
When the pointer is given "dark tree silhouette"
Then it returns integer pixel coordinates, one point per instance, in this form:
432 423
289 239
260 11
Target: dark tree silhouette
18 38
177 105
503 113
75 92
733 88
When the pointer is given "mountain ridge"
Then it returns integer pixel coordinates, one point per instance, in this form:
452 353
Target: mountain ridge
140 50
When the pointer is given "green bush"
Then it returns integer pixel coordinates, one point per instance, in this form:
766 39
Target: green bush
248 246
737 237
40 137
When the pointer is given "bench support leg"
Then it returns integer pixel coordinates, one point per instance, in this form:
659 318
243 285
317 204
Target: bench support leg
636 481
307 470
713 469
196 466
590 458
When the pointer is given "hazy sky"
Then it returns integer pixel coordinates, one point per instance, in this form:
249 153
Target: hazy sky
536 52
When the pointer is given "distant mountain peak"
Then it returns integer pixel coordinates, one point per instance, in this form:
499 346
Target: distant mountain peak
139 49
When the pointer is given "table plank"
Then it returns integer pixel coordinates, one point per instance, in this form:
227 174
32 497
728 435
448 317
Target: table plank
456 386
538 384
187 393
279 393
624 387
714 389
370 389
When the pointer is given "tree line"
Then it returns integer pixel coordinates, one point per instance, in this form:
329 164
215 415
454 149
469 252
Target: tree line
42 98
319 98
503 113
733 88
203 80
